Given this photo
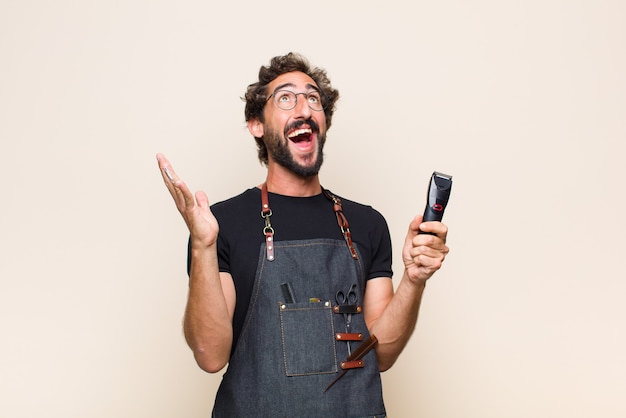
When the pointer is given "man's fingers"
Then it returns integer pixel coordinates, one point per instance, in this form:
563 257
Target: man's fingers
178 189
202 200
435 228
168 173
412 232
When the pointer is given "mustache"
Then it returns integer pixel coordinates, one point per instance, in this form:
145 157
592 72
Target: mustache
297 124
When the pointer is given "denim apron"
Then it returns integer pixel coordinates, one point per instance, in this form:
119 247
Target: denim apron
288 351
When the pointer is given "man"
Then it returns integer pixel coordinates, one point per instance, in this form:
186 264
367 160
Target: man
291 285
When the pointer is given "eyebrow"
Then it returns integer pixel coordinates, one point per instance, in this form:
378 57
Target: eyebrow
309 86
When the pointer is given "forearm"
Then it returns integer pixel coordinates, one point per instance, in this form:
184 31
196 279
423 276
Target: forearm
208 318
395 315
394 327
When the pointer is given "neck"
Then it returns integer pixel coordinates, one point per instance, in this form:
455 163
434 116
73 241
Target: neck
281 181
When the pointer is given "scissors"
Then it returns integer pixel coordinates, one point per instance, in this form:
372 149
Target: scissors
347 299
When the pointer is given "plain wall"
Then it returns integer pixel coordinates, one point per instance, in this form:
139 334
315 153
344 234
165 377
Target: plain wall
523 102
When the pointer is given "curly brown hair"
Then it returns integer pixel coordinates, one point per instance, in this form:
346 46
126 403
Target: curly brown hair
256 93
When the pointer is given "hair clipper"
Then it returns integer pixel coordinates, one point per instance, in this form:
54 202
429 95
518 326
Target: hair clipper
437 198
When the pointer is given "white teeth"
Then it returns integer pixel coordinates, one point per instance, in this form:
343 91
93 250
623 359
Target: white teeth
300 132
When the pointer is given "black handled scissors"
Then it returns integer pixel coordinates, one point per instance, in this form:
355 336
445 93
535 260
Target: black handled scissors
347 299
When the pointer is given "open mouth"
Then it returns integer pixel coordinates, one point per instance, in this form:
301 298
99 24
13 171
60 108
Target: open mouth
301 135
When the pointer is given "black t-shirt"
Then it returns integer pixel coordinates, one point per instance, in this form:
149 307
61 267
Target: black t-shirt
293 218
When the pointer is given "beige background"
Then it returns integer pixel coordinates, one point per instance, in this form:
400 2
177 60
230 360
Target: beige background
523 102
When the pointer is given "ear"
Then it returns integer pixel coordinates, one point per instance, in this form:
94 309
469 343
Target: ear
255 126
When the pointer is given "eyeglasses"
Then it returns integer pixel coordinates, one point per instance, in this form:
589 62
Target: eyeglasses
287 100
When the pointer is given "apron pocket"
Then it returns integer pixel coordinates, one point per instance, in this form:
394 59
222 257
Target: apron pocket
308 338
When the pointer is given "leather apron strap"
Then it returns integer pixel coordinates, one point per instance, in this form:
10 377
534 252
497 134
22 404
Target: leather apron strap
268 231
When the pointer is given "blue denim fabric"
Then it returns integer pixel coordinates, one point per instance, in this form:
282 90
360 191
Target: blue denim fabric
287 354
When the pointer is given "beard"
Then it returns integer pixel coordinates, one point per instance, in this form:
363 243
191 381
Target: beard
278 149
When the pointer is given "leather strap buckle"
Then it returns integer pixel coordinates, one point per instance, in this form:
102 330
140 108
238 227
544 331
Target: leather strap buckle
349 336
354 364
356 356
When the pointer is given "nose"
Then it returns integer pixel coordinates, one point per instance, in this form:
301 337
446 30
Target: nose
302 109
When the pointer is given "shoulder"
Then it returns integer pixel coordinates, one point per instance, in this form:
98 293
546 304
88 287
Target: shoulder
370 231
242 204
366 222
239 214
362 211
249 196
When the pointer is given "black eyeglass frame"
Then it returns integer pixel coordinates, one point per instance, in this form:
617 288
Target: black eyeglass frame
321 94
